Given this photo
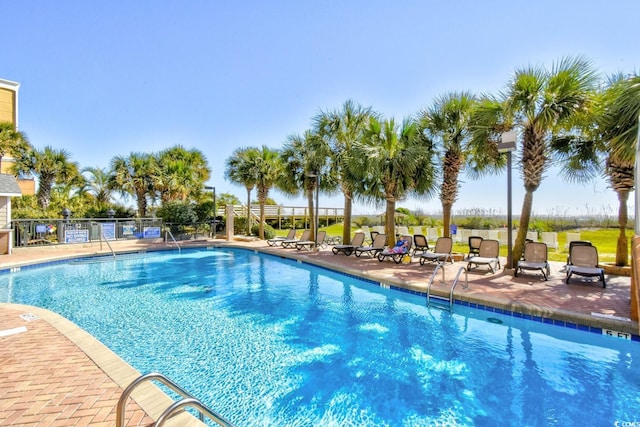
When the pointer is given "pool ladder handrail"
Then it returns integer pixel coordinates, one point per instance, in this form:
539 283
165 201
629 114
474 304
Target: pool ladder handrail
453 285
187 400
168 232
102 237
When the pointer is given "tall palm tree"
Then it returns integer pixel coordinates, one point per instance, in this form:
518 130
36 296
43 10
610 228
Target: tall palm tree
395 162
240 169
51 167
537 103
133 176
12 141
447 123
619 124
306 162
268 169
343 129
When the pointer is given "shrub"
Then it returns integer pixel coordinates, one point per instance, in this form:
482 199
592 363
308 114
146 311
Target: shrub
269 232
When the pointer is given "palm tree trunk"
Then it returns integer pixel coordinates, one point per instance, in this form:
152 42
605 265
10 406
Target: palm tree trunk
141 197
346 231
312 217
248 211
262 198
44 191
622 248
525 216
389 226
446 218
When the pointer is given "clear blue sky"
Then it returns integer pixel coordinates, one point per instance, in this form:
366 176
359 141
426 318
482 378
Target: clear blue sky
107 78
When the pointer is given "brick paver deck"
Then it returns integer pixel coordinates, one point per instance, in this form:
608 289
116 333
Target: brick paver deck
55 374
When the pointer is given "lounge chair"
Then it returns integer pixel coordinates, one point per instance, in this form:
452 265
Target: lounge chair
474 245
310 244
420 243
441 252
278 240
488 253
576 243
292 242
357 241
534 258
378 245
584 262
402 248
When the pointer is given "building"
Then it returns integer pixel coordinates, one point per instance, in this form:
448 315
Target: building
9 113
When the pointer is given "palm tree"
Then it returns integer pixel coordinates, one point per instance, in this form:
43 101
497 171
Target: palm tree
133 176
619 125
181 173
343 129
394 163
240 169
306 162
98 184
51 167
538 103
12 141
447 124
268 170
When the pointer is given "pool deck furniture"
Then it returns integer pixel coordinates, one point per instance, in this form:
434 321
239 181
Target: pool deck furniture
357 241
291 235
441 252
535 257
306 234
310 244
584 262
488 254
397 257
56 367
378 245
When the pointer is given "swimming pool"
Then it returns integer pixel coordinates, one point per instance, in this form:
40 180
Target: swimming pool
273 342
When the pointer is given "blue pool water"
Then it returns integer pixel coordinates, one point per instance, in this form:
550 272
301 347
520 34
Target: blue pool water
271 342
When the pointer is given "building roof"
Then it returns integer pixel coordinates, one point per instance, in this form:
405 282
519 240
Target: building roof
9 185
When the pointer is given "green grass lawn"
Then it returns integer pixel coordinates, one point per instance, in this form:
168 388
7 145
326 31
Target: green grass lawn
605 239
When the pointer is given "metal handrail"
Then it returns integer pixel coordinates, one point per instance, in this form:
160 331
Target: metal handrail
172 238
108 244
433 276
196 404
188 399
455 282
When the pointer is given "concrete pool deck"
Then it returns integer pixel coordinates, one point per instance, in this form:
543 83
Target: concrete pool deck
53 373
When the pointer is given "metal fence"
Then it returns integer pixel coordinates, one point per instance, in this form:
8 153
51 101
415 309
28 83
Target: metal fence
29 232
